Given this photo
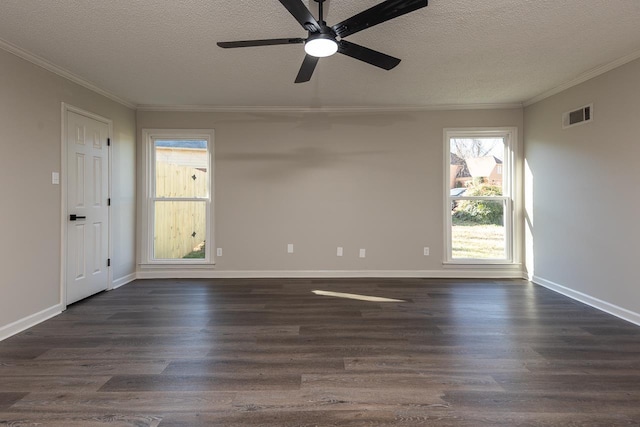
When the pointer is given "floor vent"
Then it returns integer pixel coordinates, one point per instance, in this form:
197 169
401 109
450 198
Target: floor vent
577 117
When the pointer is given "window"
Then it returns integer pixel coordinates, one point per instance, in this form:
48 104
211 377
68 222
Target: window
178 196
479 196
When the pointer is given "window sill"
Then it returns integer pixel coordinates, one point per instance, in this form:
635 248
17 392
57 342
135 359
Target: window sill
176 266
482 264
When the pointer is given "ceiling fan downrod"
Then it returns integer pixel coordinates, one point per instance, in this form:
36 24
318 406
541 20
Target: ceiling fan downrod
320 12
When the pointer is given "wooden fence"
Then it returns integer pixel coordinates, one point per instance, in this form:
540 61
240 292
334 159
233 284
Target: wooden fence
180 181
180 226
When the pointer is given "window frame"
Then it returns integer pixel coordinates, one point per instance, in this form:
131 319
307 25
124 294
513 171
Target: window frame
149 136
509 197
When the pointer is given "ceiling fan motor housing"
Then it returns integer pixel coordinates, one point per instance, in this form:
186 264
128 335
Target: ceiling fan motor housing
321 44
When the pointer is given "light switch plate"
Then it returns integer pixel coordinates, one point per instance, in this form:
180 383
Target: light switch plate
219 252
55 178
290 248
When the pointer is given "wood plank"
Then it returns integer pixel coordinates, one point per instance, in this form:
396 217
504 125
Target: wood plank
215 382
81 367
52 383
368 380
432 364
291 366
564 402
125 402
9 398
78 419
340 398
585 383
11 352
126 353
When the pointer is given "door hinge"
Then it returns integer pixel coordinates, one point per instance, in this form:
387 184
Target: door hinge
108 142
108 262
109 201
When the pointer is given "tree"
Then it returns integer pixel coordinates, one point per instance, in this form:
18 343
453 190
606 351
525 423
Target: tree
481 211
469 148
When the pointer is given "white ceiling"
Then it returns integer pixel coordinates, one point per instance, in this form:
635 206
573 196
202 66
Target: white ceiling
163 52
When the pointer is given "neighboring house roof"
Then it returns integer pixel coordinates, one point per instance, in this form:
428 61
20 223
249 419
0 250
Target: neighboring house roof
482 166
456 160
463 171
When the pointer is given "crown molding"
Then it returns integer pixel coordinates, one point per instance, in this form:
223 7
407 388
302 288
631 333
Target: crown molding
595 72
43 63
328 109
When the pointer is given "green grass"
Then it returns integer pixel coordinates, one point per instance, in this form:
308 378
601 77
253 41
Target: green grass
200 253
477 241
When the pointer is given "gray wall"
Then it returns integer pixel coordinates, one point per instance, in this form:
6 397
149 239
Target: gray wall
583 205
323 180
30 206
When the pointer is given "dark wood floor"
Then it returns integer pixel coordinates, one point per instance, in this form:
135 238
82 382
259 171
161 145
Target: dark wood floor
272 353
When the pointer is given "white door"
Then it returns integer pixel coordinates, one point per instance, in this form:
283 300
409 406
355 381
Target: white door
87 207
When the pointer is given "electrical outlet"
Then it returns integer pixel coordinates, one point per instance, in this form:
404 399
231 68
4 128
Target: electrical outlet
219 252
426 251
290 248
339 252
363 253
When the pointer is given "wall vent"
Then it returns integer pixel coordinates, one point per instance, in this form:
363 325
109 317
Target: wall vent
577 117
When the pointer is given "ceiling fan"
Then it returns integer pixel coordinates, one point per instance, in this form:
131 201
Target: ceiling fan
324 41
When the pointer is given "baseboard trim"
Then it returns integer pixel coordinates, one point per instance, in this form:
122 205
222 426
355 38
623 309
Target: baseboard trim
607 307
123 281
29 321
300 274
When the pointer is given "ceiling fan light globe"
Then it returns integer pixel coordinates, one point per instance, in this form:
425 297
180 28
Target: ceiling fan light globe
321 47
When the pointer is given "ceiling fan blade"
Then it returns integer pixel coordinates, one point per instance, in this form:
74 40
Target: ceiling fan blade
306 71
302 14
377 14
267 42
367 55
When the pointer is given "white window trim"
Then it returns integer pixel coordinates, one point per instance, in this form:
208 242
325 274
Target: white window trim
509 168
148 136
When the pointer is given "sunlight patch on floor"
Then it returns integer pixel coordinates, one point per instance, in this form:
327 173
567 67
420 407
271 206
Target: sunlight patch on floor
356 296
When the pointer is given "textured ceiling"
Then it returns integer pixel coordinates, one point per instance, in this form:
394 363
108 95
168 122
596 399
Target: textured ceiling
163 52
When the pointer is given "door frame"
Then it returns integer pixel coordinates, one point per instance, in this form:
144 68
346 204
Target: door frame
66 109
